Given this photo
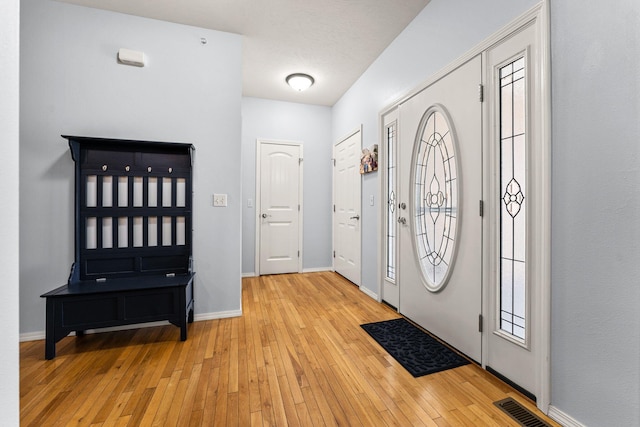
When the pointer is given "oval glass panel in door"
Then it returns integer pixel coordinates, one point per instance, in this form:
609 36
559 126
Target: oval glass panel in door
435 197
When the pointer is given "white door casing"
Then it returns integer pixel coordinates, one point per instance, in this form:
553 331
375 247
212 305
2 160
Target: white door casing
538 176
452 312
347 209
279 207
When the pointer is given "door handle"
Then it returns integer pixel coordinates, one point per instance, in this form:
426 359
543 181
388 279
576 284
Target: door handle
355 217
264 215
402 220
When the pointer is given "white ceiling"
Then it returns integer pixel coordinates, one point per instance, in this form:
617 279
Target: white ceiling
332 40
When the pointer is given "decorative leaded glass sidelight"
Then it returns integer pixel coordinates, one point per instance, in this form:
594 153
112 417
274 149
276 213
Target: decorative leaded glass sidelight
391 202
513 196
435 197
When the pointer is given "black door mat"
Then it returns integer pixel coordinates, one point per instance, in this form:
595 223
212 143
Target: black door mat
417 351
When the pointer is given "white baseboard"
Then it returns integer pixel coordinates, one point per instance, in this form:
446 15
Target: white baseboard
40 335
32 336
562 418
316 269
369 293
217 315
304 270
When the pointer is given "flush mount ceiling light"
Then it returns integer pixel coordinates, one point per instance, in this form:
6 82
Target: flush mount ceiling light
300 81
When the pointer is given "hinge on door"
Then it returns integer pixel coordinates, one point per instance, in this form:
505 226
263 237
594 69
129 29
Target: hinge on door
334 162
480 323
298 254
300 161
334 208
298 208
481 92
334 254
481 208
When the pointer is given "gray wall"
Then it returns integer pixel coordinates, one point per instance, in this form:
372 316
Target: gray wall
9 175
441 33
311 125
72 84
595 349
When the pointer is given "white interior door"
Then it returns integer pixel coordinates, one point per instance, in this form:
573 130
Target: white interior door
440 182
516 206
347 199
279 210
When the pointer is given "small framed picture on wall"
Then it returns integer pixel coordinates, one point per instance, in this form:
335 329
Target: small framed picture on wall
369 159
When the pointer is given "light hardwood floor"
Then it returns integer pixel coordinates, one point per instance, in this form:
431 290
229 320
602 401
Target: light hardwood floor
297 356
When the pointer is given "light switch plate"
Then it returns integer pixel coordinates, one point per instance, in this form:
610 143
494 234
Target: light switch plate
220 200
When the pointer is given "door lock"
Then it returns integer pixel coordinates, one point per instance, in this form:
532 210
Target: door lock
402 206
355 217
264 215
402 220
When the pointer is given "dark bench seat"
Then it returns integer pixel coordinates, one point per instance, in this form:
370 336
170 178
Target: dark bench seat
117 302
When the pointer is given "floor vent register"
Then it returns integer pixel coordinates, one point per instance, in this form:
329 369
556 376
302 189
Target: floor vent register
520 414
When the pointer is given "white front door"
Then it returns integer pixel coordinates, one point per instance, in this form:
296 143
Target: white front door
279 209
346 218
516 206
440 182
